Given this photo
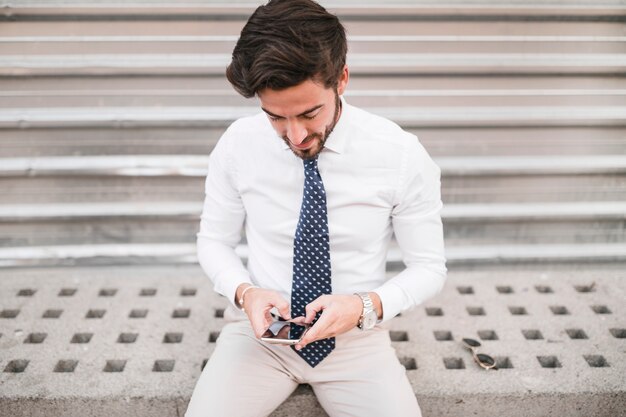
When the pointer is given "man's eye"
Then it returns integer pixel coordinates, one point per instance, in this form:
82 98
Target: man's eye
273 119
309 117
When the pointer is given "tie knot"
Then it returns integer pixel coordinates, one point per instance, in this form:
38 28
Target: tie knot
310 164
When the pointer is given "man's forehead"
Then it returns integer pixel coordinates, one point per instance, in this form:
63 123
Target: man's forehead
300 99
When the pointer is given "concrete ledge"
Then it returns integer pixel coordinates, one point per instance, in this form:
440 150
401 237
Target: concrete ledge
389 63
185 253
196 166
407 116
191 210
346 9
121 341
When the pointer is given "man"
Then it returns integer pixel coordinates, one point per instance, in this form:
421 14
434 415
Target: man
321 186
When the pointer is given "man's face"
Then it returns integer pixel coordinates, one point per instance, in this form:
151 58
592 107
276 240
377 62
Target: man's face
303 115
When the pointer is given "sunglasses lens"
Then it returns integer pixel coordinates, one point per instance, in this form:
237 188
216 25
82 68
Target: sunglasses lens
486 359
471 342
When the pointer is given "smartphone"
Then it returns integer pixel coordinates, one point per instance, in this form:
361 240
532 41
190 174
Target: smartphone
284 333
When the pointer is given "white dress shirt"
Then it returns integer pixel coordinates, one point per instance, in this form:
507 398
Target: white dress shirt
379 180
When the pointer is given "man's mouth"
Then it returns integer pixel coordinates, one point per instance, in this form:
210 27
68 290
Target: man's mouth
304 145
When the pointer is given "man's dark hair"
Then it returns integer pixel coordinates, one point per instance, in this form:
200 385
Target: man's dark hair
286 42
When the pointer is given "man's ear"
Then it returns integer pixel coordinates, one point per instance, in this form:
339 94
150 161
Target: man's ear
343 80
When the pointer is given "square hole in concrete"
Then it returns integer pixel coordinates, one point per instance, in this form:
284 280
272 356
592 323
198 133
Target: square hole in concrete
585 288
95 314
213 337
549 361
434 311
36 338
127 337
26 292
9 313
16 366
576 334
148 292
181 313
67 365
219 313
596 361
599 309
138 313
465 290
543 289
559 310
503 362
618 333
188 292
67 292
115 365
163 365
518 311
52 314
504 289
487 335
532 334
453 363
81 337
173 338
409 363
442 335
475 311
398 336
107 292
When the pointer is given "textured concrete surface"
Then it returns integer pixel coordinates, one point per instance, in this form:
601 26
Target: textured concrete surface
118 341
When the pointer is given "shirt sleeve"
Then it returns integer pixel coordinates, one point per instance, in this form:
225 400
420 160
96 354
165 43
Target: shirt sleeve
417 225
221 223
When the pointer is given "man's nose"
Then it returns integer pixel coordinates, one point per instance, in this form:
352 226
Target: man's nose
296 132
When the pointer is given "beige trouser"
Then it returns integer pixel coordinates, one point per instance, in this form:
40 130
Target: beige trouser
246 377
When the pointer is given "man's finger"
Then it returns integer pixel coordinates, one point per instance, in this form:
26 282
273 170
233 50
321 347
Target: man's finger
317 332
313 308
283 308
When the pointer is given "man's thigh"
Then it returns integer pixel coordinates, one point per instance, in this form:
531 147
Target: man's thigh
365 378
243 377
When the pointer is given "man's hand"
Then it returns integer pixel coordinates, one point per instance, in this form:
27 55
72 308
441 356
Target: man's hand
257 304
340 314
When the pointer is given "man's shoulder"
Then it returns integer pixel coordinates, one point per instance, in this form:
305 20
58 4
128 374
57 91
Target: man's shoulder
256 123
380 129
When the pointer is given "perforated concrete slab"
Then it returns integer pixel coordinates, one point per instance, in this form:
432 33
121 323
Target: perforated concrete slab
119 341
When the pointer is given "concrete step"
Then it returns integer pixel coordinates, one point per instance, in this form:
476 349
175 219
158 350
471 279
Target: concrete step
439 141
185 253
407 116
370 63
156 97
557 336
149 178
432 86
595 22
211 8
464 224
58 44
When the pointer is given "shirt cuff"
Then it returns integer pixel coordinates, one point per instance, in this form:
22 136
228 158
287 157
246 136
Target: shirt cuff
392 300
228 282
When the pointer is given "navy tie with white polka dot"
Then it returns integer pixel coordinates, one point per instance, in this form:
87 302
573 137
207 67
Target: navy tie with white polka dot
311 259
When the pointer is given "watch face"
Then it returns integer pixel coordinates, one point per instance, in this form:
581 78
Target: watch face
369 320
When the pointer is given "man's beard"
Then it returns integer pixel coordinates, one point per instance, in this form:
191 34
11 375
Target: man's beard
313 152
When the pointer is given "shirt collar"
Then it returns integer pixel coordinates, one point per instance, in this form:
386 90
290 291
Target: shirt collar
338 138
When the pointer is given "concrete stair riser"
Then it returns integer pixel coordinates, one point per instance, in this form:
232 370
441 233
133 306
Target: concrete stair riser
502 141
545 227
455 189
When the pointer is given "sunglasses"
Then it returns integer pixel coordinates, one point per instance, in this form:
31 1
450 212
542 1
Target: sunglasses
485 361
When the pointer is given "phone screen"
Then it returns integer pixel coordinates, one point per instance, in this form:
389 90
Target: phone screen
284 333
